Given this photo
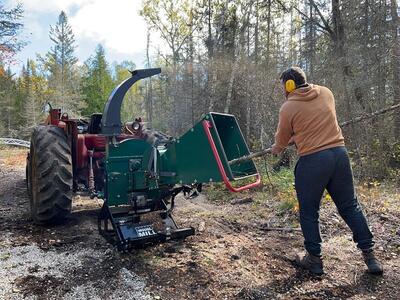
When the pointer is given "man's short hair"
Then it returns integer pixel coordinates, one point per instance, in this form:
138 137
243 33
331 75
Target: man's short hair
296 74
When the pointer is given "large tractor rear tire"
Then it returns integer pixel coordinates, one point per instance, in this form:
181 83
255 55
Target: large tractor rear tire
49 175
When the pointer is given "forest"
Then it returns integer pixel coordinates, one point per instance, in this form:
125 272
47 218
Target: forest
224 56
126 212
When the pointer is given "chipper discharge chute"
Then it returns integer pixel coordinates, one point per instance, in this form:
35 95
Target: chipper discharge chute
135 170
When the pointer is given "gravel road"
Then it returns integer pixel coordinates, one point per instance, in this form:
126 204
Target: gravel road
70 261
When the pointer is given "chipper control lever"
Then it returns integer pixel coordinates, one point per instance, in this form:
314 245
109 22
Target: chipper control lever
207 125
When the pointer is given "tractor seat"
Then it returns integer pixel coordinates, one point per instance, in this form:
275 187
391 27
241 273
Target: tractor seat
95 123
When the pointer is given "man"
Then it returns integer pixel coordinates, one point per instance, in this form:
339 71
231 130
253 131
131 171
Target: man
308 119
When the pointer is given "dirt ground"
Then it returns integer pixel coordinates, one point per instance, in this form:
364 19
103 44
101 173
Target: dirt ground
233 255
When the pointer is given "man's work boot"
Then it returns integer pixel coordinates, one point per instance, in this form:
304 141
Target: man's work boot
310 262
374 266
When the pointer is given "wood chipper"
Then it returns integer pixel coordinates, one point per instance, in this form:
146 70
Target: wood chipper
136 171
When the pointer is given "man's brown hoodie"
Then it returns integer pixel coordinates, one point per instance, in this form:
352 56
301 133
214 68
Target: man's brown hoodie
308 117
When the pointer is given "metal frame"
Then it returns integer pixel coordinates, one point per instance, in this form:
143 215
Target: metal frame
15 142
111 120
120 229
207 125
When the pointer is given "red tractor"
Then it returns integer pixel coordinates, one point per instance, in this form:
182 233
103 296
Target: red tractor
66 156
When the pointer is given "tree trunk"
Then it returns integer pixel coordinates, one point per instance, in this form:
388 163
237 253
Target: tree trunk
268 32
396 62
236 59
339 39
256 37
210 49
191 63
311 44
211 83
235 67
210 43
149 99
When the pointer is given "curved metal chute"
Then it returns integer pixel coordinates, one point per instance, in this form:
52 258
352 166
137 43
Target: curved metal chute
15 142
111 120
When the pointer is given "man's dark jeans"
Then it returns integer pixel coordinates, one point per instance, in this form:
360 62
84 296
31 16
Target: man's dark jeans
328 169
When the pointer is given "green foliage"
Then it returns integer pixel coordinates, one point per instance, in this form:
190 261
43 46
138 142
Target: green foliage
62 52
35 94
132 107
173 19
218 193
288 205
276 185
282 184
283 180
10 108
97 82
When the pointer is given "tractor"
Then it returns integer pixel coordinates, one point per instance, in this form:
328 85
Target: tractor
135 171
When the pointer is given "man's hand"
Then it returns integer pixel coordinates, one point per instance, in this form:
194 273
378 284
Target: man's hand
275 150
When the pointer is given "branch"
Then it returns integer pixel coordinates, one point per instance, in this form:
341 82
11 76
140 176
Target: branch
285 9
282 229
371 115
343 124
164 57
327 26
157 25
188 35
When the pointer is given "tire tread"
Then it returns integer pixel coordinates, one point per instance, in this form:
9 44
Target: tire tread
52 196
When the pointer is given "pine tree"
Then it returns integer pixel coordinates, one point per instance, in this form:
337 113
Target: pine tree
7 104
97 82
10 44
60 64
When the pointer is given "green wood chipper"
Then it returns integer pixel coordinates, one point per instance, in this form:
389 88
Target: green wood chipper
136 171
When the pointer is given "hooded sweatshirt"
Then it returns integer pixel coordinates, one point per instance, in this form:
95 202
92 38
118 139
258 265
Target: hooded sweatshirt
308 118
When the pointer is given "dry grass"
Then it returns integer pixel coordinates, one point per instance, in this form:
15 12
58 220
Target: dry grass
12 157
